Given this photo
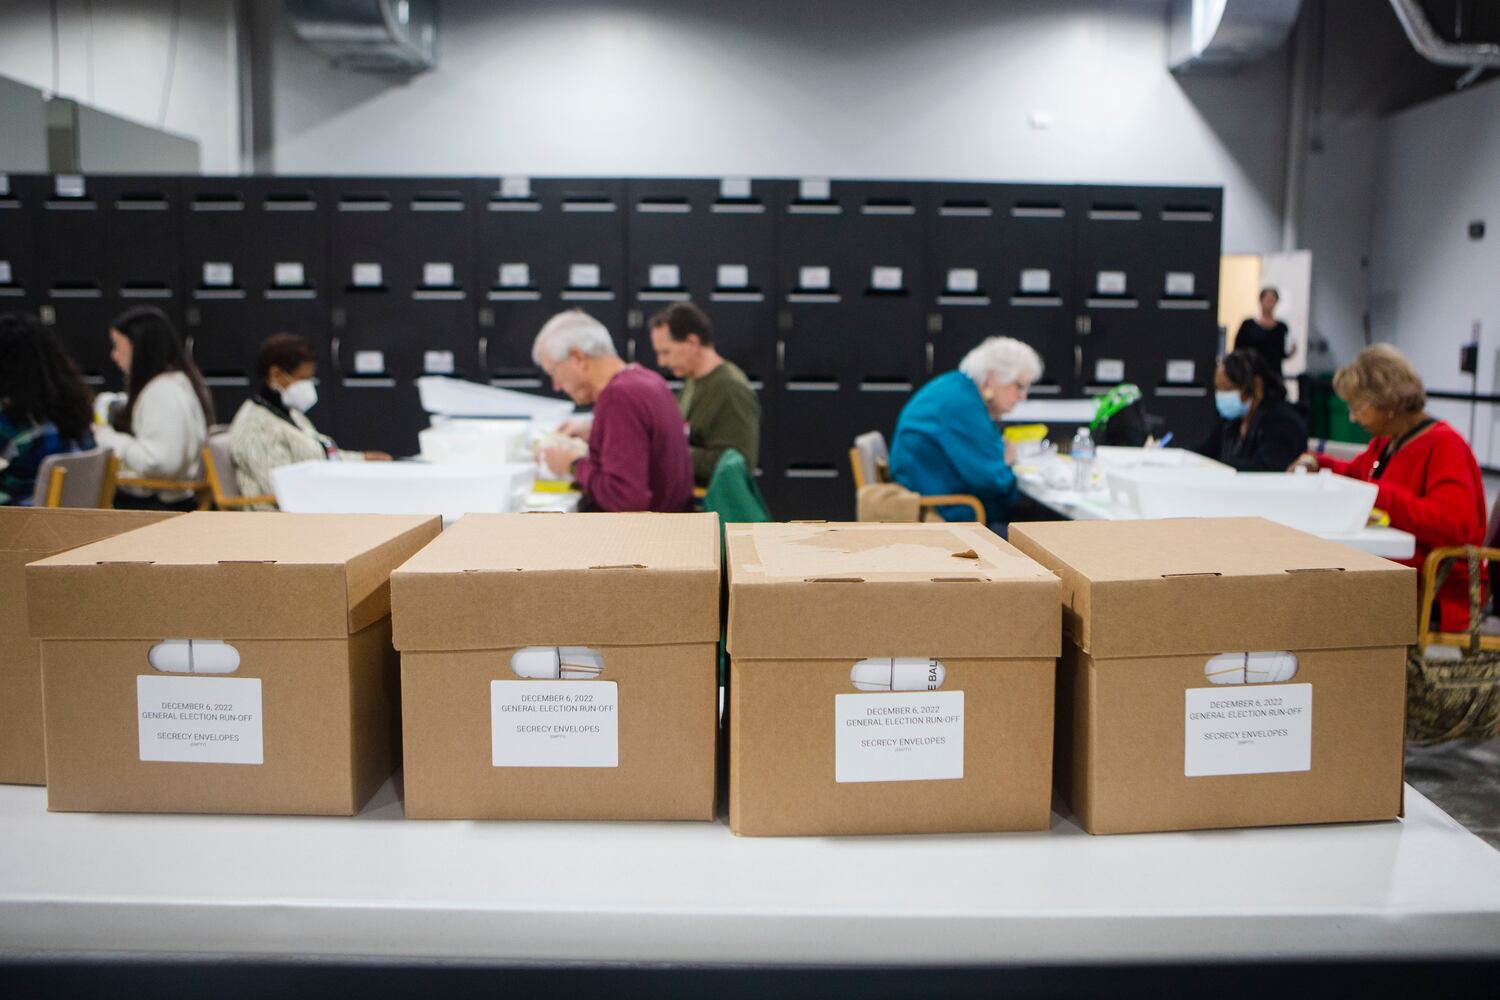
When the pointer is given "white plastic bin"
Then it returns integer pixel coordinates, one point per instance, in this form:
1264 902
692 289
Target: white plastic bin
452 397
479 442
402 488
1323 504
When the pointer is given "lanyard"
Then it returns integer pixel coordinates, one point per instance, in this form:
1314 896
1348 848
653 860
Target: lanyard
1378 469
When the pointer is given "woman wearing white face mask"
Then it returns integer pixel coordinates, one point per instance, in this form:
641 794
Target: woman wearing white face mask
272 428
1258 429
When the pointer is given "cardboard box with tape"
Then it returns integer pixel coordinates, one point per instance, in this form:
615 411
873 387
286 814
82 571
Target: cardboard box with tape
561 667
26 535
888 678
1225 673
223 663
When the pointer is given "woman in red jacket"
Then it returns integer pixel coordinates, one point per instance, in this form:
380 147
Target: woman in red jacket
1429 482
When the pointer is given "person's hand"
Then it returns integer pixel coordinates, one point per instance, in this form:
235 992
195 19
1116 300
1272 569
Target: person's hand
377 456
1307 460
1010 453
559 458
577 427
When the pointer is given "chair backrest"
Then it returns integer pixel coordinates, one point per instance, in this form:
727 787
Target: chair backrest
871 459
218 468
83 476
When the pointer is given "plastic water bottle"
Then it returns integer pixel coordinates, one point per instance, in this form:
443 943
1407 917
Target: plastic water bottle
1083 460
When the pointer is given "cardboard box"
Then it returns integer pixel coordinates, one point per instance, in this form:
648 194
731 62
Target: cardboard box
26 535
306 722
811 753
635 741
1147 741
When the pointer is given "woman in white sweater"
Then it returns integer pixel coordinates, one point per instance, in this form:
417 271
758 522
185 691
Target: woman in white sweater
271 428
160 431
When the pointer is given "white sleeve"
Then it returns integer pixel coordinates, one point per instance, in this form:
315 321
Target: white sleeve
165 428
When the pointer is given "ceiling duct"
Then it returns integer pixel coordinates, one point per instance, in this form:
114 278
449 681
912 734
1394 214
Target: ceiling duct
1208 36
372 35
1474 56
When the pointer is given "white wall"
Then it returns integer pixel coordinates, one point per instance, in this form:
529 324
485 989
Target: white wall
1440 170
834 87
115 54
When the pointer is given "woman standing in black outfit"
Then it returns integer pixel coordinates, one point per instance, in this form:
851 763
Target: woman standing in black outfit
1258 430
1265 334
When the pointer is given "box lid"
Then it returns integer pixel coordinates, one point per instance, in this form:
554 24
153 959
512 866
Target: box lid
499 580
1206 585
31 533
812 590
227 575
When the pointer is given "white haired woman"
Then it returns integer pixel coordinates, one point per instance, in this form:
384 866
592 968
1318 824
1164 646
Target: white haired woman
946 438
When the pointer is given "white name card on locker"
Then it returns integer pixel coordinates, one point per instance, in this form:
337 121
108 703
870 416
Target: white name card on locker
68 186
814 278
731 188
5 276
665 276
1109 370
217 274
369 362
1181 371
288 274
367 276
437 274
1110 283
4 185
814 189
515 187
1036 281
1181 283
733 276
886 279
515 275
583 276
437 362
963 280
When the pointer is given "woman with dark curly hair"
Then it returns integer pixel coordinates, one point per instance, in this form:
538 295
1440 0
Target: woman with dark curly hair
44 405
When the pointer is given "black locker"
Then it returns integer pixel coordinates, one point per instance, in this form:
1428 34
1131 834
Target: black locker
70 260
254 263
816 420
142 233
545 245
1186 307
18 280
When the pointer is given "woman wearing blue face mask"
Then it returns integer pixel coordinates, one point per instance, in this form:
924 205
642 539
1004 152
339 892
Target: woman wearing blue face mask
272 428
1258 430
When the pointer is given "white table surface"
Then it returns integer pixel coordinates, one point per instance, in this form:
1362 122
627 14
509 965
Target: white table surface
1096 505
379 885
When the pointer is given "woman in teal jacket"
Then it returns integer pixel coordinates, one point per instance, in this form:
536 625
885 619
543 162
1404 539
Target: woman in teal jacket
947 440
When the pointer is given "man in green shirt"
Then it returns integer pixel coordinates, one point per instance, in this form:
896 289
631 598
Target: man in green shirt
717 401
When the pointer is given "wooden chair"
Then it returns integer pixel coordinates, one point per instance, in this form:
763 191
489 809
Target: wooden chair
77 479
223 481
870 461
198 487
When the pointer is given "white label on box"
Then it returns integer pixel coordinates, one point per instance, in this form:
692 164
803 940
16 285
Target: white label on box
554 724
814 278
369 362
437 362
289 274
200 720
515 275
907 736
1110 283
886 279
1036 281
665 276
368 276
437 275
1109 370
734 276
515 187
1181 371
68 186
1181 283
583 276
734 187
4 272
1261 730
963 280
814 189
218 275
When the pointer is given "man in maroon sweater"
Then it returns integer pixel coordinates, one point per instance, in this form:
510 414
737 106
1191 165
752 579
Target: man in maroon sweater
638 448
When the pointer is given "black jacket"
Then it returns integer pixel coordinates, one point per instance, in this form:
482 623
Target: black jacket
1277 435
